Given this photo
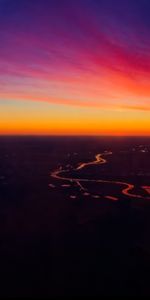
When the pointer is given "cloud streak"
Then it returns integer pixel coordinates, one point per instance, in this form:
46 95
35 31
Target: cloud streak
94 53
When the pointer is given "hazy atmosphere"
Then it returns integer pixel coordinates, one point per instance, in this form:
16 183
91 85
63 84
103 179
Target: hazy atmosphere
75 67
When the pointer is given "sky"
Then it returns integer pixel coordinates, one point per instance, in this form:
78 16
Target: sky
71 67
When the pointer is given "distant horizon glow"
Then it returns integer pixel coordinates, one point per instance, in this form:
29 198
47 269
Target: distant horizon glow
75 67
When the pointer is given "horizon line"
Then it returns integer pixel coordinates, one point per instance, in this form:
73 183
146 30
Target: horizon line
73 135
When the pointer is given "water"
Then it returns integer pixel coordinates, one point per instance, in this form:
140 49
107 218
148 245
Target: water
81 236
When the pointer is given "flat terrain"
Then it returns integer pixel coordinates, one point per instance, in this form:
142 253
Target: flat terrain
75 216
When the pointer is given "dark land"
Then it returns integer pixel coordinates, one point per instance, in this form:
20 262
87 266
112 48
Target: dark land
59 240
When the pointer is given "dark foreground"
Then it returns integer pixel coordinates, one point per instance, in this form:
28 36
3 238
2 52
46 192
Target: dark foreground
61 237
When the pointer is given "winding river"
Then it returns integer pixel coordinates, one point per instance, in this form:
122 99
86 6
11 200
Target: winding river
127 188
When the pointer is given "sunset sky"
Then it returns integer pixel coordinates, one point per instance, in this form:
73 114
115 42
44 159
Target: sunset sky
75 67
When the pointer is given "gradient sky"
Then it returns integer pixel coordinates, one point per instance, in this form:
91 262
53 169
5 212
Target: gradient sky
75 67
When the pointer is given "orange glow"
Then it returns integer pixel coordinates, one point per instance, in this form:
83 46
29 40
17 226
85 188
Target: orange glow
79 70
45 120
